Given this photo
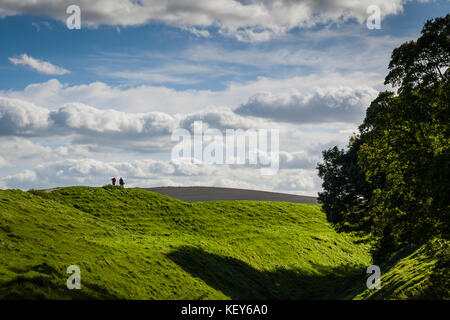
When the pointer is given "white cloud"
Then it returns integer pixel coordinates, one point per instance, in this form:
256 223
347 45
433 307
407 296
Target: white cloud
82 124
145 98
21 180
80 118
197 32
298 181
22 118
92 171
87 135
4 162
141 119
222 119
298 160
18 117
148 173
38 65
150 132
252 20
331 104
14 148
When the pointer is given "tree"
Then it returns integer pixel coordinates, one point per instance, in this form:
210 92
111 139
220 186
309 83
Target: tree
394 178
346 192
422 63
408 144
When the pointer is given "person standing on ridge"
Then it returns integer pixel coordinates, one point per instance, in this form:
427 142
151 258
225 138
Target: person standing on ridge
113 181
121 182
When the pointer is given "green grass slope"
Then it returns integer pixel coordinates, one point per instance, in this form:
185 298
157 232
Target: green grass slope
415 273
134 244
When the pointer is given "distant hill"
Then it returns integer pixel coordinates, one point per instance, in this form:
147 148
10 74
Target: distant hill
226 194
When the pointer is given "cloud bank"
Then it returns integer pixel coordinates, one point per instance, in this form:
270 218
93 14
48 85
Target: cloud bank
332 104
87 171
62 143
250 20
87 124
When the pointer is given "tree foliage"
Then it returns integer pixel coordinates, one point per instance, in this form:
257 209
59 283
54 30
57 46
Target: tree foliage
346 192
394 178
422 63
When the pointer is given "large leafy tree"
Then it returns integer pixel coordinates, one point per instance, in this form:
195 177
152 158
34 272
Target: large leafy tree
402 151
409 146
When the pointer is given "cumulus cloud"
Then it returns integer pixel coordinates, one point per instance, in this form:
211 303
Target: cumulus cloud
300 181
20 180
38 65
252 20
298 160
83 124
22 118
220 118
284 101
148 173
14 148
332 104
30 131
92 171
22 151
144 98
4 162
80 118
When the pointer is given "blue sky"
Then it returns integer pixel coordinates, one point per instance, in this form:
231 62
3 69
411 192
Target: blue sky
230 64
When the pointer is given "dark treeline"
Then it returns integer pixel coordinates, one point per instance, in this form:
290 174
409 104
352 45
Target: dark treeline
392 181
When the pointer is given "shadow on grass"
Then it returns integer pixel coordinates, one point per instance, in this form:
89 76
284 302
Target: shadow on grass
239 281
43 282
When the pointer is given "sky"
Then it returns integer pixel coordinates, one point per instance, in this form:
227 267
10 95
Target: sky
79 106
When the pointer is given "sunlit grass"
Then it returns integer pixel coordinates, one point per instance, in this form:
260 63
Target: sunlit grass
135 244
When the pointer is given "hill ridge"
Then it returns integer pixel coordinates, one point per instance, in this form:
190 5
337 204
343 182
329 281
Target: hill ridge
205 193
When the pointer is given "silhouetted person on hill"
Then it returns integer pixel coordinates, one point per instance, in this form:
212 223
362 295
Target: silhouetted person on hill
113 181
121 182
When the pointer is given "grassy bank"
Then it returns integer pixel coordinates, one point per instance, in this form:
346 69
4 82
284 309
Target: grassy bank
134 244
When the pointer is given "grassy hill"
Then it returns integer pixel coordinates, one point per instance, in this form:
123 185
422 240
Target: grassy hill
135 244
418 272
